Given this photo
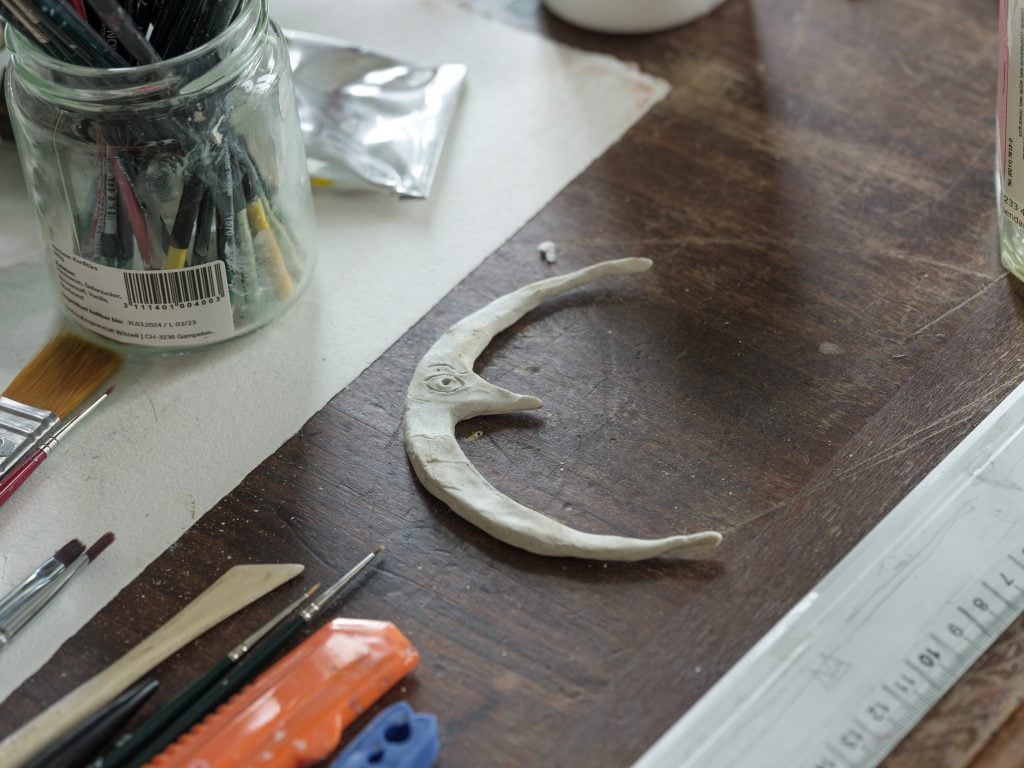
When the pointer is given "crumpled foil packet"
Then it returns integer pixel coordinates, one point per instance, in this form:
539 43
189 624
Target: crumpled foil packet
369 121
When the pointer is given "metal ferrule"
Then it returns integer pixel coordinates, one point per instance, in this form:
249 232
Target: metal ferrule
22 429
40 577
22 613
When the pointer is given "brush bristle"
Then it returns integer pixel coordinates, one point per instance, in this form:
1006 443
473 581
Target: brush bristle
69 552
63 374
102 543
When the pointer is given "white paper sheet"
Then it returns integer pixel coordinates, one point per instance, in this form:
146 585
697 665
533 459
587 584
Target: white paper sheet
182 432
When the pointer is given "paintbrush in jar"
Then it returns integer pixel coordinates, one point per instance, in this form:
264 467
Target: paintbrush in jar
51 386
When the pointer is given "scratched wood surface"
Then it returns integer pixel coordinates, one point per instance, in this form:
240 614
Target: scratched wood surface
825 319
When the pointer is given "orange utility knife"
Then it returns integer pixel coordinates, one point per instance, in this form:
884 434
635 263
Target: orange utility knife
293 714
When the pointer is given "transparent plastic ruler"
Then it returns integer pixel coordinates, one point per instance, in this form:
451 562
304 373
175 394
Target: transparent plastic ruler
847 673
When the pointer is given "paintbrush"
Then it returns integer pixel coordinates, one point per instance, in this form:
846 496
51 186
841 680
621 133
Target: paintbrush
22 612
241 673
52 385
75 747
10 482
123 28
238 587
42 575
133 742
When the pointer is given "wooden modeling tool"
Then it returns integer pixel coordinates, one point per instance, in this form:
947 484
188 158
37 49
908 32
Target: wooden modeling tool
237 588
50 387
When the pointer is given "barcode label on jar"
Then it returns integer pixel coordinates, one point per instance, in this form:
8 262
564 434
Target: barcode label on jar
179 286
166 308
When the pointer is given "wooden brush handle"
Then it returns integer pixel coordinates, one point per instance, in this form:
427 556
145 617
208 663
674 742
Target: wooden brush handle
238 587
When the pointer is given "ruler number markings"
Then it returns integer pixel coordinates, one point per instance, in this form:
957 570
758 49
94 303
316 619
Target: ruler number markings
943 577
992 589
898 704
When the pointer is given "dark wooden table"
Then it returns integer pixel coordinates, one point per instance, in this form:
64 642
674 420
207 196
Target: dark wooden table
825 320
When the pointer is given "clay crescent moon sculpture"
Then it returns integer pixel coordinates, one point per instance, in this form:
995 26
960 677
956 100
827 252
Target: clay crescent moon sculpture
445 390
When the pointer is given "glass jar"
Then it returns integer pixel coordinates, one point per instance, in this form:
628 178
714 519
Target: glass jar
173 198
1010 137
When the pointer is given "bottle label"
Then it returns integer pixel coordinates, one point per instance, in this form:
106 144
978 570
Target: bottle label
1011 108
162 308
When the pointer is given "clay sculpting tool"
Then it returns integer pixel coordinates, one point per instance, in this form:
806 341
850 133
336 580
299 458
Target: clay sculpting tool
242 672
398 737
238 587
22 611
75 747
10 482
293 714
51 386
42 575
131 743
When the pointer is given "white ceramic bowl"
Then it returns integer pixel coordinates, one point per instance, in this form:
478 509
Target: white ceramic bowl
630 16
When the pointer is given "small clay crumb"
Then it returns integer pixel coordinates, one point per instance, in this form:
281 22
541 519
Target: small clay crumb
548 251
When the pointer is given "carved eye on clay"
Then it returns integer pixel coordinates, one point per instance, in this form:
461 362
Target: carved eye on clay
445 383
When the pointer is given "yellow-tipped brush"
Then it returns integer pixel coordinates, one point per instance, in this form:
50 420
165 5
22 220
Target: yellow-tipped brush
50 387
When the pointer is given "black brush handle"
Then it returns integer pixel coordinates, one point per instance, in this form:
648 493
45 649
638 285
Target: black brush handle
75 747
240 674
163 717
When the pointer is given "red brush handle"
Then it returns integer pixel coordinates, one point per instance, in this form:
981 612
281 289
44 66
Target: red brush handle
20 474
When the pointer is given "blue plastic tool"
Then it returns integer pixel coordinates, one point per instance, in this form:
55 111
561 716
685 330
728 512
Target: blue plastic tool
398 737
